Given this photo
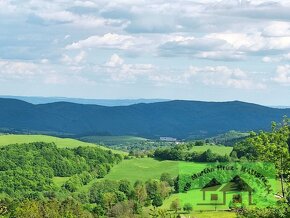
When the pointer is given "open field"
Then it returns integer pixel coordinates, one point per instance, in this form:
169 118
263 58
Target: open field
59 181
60 142
149 168
211 214
113 140
220 150
142 169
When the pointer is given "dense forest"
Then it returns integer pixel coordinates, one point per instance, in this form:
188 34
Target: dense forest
179 119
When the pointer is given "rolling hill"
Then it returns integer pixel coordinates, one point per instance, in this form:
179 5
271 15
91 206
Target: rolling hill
179 119
103 102
59 142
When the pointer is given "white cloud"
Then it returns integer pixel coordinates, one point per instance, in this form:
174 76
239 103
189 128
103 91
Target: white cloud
282 75
115 61
80 21
88 4
220 76
120 71
17 69
60 16
225 45
84 32
110 41
6 7
277 29
76 60
276 59
223 76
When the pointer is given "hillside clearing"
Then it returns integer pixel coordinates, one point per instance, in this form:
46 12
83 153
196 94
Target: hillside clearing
60 142
220 150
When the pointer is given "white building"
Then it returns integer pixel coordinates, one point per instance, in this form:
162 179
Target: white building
168 139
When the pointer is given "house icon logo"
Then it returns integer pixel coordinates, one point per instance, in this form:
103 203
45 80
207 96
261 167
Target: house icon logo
224 186
235 191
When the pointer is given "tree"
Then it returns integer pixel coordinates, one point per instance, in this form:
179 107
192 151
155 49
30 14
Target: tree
125 186
187 207
175 205
234 155
152 188
157 201
166 177
122 209
140 192
269 147
199 143
207 156
109 199
73 183
3 209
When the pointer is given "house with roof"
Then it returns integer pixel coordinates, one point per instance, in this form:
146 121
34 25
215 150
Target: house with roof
236 191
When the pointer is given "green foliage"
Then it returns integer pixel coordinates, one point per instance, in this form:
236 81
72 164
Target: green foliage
229 138
125 187
166 177
52 209
175 205
187 207
182 153
122 209
279 211
30 174
157 201
269 147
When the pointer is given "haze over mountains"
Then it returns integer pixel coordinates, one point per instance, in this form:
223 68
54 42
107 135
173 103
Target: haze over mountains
181 119
103 102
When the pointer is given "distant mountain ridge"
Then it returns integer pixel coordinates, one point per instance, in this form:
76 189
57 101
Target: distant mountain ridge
180 119
103 102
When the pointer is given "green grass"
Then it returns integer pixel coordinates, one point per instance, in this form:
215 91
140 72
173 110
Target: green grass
113 140
142 169
220 150
59 181
139 169
60 142
213 214
147 168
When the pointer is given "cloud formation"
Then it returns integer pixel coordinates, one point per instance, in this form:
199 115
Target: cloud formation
212 44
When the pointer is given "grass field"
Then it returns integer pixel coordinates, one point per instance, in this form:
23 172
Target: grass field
148 168
221 150
142 169
112 140
60 142
59 181
211 214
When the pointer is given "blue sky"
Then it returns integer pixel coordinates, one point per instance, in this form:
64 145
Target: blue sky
188 49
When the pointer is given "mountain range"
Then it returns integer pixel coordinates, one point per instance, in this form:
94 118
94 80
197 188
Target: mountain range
180 119
103 102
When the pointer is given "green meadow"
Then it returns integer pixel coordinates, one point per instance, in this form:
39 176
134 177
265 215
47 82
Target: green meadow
60 142
142 169
220 150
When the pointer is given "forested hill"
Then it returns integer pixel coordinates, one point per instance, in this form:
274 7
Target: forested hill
179 119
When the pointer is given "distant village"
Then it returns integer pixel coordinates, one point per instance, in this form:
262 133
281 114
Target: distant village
168 139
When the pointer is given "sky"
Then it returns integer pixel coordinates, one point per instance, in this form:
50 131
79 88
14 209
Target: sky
205 50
